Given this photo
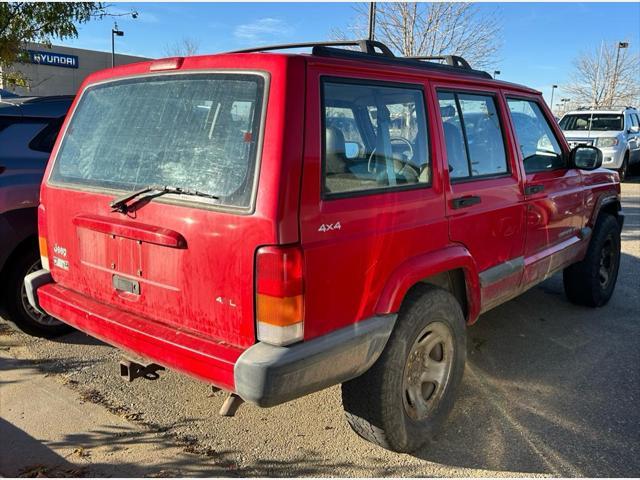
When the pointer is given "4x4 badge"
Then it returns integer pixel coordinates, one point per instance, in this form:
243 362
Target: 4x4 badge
327 227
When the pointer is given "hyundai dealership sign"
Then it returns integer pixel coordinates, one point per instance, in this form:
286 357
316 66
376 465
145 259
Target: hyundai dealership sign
53 59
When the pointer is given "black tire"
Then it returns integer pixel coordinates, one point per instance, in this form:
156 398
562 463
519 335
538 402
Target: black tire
623 171
591 282
377 404
21 315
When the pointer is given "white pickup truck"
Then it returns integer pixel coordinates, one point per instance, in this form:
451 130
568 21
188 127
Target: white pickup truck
615 131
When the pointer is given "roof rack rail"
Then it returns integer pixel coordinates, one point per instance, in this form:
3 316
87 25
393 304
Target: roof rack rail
377 51
366 46
605 107
453 60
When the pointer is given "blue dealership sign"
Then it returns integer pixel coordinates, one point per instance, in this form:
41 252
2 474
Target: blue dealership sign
53 59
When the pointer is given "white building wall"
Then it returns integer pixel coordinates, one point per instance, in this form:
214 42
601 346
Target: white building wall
59 80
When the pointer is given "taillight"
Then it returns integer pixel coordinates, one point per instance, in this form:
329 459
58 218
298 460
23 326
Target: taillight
279 295
42 238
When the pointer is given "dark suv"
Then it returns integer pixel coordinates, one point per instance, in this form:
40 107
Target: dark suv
28 129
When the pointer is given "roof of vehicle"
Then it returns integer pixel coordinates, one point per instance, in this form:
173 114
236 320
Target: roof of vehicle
372 55
47 107
7 94
614 109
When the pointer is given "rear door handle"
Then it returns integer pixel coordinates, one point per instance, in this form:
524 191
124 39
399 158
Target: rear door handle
533 189
467 201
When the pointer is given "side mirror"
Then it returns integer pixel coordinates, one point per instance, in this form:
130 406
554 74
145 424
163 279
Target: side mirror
351 149
586 157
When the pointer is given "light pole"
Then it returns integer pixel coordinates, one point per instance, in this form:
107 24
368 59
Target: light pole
553 88
114 32
372 20
496 73
614 84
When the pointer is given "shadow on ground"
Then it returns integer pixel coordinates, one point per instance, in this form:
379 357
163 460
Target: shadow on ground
549 388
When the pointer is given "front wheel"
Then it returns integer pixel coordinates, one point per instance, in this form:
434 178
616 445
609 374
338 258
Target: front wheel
591 282
624 168
405 397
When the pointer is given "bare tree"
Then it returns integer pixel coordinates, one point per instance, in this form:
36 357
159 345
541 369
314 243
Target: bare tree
605 76
431 29
182 48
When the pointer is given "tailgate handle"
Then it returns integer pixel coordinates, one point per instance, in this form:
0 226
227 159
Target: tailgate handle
467 201
125 285
133 230
533 189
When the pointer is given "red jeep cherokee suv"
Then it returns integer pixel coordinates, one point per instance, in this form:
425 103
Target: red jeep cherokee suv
275 224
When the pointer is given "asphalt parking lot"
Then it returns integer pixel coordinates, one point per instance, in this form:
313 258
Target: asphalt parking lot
550 389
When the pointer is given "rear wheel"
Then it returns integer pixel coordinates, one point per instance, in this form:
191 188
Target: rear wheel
591 282
404 398
21 314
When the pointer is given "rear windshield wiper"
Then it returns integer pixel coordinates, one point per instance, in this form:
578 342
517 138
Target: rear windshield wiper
121 204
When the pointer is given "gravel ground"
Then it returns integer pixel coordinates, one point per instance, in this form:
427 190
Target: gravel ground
549 389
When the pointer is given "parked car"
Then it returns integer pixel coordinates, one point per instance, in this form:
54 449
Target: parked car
28 129
208 215
615 131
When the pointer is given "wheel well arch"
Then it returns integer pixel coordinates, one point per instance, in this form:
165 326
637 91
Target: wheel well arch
451 268
452 281
610 206
28 243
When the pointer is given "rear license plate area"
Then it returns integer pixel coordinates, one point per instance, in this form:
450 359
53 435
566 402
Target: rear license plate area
125 285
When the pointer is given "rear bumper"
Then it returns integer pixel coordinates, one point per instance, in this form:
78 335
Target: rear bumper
268 375
32 282
262 374
205 359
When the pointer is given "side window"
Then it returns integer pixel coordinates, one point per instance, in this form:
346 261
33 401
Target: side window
6 122
46 138
539 146
375 137
634 120
473 136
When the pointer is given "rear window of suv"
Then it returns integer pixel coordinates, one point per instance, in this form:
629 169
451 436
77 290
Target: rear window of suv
192 131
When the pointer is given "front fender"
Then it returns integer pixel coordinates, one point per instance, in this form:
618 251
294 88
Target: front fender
417 268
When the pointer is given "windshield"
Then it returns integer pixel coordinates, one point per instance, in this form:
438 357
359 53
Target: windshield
190 131
599 122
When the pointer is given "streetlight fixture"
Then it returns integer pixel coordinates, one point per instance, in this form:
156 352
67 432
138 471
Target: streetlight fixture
496 73
553 88
114 32
614 84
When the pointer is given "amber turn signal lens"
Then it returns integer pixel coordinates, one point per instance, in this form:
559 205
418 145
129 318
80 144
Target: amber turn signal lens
277 311
44 256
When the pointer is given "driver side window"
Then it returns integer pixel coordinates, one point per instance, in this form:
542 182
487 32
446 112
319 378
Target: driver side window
540 149
375 137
